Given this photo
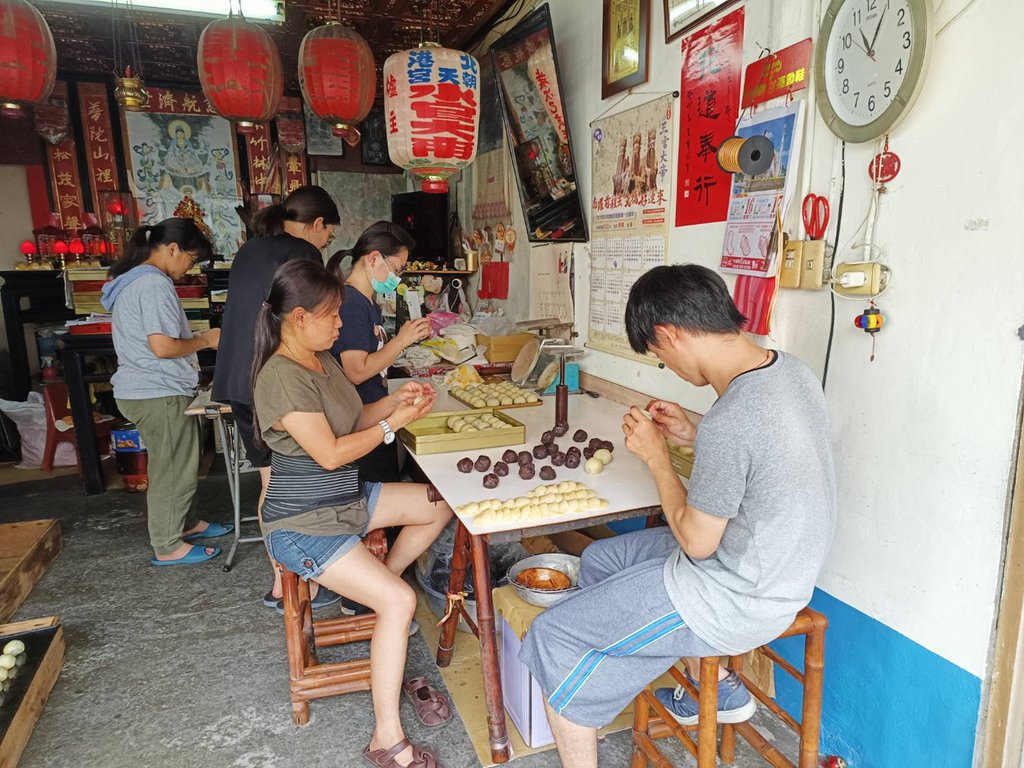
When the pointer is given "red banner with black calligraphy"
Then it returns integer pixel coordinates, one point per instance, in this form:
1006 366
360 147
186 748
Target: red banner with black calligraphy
778 74
264 168
710 90
62 160
167 101
291 139
100 155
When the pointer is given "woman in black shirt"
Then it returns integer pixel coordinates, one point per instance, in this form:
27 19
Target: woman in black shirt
378 259
298 228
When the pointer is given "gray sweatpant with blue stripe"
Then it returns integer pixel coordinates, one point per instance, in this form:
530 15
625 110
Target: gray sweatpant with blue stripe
594 651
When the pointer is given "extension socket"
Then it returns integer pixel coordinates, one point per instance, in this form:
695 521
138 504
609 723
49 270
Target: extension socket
812 264
789 269
862 278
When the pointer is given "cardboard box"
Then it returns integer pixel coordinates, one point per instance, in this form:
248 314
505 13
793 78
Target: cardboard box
524 700
502 349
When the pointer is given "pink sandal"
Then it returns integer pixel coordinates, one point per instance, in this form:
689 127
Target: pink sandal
385 758
431 707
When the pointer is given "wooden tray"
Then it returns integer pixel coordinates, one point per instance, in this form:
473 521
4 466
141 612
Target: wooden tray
682 460
26 551
431 434
44 642
468 404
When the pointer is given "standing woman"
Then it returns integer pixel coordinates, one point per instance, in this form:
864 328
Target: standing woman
156 379
317 508
298 228
378 259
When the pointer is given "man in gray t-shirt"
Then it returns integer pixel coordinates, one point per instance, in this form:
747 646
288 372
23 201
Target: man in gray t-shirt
743 546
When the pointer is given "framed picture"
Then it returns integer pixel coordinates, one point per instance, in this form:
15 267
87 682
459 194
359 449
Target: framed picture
374 142
319 138
681 15
627 32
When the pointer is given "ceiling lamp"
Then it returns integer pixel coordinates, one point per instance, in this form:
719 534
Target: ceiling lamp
240 71
28 59
338 78
129 91
432 105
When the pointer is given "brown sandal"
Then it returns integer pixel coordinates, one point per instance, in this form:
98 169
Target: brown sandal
385 758
431 707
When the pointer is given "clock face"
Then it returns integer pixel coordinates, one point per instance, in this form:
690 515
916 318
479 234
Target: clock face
873 59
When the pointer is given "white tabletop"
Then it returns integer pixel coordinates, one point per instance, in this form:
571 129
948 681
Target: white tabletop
626 482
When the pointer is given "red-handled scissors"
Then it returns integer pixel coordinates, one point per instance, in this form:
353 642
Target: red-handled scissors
815 213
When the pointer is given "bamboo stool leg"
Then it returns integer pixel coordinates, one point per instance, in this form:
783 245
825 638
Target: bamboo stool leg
727 749
810 720
707 728
641 717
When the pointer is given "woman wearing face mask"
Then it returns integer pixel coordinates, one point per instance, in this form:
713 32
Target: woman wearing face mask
378 258
300 227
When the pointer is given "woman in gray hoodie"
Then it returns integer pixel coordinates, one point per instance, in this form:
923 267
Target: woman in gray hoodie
156 379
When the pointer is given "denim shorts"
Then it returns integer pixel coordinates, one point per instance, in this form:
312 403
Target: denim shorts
309 556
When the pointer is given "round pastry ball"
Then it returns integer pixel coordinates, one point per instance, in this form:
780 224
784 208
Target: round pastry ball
527 471
540 451
595 442
500 468
594 466
572 460
547 473
608 445
573 451
579 436
524 457
547 437
557 459
603 455
490 480
465 465
510 456
588 453
482 464
560 429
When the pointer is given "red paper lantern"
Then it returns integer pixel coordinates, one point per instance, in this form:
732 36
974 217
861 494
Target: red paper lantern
76 247
240 71
28 59
338 78
432 105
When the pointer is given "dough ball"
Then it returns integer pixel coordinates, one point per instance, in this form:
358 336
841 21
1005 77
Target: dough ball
547 473
594 466
465 465
603 455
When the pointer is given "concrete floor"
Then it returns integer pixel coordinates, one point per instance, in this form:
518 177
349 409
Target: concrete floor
180 667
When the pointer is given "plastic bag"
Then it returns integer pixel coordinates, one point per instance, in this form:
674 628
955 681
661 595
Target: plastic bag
441 320
30 419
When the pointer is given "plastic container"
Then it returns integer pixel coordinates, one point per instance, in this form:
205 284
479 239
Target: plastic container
133 466
127 439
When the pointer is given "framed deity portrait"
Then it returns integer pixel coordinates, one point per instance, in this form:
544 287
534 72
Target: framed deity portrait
624 44
681 15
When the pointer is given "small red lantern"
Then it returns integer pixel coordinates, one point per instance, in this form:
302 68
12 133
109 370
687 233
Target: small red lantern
60 248
338 78
28 59
76 247
240 71
432 106
28 248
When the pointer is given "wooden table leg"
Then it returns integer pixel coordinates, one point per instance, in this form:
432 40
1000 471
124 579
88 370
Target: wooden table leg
81 415
500 750
456 582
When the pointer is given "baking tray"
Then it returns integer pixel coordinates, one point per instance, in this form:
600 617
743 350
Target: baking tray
682 459
497 407
431 434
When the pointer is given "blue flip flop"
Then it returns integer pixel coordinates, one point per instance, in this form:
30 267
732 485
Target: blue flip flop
194 555
213 530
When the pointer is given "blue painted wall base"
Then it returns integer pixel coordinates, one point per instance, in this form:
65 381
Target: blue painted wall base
887 700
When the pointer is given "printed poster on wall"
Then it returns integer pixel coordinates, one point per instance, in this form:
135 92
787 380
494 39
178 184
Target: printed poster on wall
710 95
174 154
746 250
550 285
631 194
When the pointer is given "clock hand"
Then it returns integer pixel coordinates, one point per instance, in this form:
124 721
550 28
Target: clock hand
867 45
871 47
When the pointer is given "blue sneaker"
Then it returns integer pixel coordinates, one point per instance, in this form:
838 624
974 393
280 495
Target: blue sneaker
735 704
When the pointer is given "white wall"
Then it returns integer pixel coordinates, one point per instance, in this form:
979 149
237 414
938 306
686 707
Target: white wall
15 226
924 435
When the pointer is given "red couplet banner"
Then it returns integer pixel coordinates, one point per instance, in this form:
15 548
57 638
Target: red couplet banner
710 91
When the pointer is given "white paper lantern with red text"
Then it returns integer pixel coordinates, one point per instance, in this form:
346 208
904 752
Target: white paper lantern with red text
432 107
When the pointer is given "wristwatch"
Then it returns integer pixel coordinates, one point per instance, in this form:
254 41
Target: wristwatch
389 434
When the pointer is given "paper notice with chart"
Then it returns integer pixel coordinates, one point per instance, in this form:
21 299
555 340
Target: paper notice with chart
550 289
631 194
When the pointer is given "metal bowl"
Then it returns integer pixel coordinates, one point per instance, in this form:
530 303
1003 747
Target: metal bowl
543 598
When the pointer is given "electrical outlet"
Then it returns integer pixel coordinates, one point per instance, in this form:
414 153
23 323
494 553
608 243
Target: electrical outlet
812 264
860 278
789 269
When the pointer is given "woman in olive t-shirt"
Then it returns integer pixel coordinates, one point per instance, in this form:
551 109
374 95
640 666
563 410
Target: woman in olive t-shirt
316 507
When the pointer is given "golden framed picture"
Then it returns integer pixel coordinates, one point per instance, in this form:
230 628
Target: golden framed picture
681 15
627 32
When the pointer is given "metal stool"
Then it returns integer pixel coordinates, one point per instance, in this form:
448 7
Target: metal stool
308 678
652 721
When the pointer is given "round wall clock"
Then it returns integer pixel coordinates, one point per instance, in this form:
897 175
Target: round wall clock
870 61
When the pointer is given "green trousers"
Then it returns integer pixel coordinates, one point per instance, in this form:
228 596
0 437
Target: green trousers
172 440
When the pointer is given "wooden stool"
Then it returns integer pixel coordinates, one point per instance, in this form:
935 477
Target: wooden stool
308 678
652 721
